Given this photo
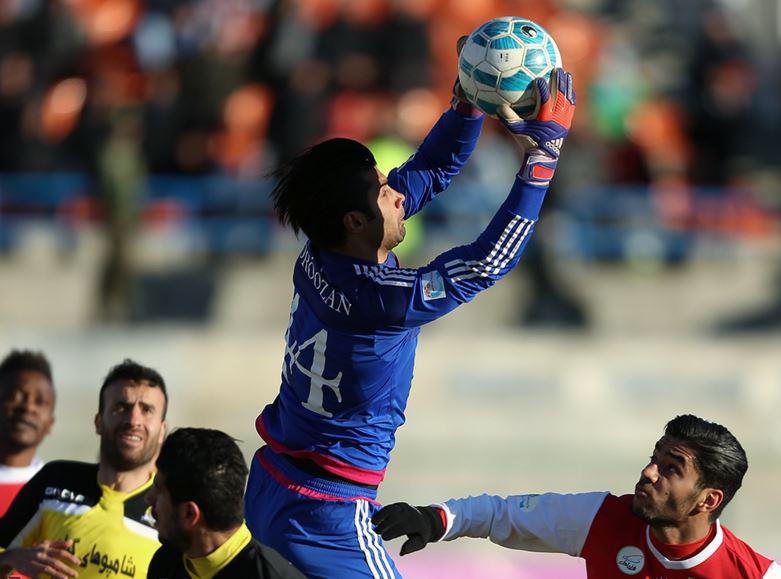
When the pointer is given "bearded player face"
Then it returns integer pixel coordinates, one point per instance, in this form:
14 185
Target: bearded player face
669 491
131 424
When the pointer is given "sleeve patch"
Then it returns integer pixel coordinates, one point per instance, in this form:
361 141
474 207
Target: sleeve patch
433 286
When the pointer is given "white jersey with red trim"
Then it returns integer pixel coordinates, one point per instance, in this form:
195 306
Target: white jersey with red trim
600 528
13 478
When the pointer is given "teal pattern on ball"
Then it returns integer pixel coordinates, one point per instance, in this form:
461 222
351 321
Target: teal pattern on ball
505 43
501 59
465 67
485 78
518 82
536 61
553 52
477 39
495 27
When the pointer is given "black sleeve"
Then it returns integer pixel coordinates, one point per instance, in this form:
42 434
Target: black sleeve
275 566
24 506
166 563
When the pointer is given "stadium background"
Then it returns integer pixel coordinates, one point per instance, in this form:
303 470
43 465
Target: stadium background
134 222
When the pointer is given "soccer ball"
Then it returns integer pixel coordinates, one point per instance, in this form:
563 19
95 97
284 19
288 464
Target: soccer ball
500 61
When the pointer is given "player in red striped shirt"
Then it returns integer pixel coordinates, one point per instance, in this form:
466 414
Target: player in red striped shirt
667 529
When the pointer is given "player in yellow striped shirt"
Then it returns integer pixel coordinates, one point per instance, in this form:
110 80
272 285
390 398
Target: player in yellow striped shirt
76 519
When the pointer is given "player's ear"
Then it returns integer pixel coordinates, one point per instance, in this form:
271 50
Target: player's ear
191 514
98 424
710 500
354 221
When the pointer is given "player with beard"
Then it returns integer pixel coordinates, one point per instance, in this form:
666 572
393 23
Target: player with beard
197 500
668 529
26 418
91 520
356 315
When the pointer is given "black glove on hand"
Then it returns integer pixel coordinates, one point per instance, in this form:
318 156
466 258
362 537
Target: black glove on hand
422 525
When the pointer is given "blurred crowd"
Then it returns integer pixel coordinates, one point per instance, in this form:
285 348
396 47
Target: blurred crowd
669 90
672 95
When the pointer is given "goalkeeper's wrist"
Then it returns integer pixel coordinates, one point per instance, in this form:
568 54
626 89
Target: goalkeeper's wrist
537 168
465 108
436 520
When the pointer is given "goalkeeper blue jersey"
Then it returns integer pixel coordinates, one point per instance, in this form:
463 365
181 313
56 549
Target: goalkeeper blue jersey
354 325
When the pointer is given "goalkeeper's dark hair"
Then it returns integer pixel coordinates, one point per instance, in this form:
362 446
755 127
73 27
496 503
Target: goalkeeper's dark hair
135 372
316 189
206 467
21 361
718 456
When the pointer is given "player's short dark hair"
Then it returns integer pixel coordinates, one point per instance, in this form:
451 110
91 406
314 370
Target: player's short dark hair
24 360
130 370
718 456
205 466
316 189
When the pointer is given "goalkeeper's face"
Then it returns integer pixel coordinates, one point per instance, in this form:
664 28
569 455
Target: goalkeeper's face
390 207
131 425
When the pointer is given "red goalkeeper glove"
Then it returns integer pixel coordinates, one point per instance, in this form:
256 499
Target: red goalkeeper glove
541 137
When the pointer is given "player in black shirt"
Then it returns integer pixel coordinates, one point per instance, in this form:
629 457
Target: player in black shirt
198 500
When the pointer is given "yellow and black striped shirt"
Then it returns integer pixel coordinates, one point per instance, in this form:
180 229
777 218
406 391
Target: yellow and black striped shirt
113 532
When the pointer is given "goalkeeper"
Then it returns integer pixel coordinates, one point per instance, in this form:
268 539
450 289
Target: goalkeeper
355 319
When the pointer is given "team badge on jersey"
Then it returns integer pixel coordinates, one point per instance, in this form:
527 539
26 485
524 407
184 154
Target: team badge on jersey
433 286
528 502
630 560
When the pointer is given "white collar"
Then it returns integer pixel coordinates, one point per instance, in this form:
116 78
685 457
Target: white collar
691 561
19 474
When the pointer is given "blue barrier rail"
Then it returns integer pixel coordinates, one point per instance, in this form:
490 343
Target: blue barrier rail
228 215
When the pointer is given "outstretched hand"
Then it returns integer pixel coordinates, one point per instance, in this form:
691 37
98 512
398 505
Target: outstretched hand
548 128
542 136
422 525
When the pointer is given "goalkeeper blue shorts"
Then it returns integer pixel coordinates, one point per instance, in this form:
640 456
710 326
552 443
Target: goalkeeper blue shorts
321 526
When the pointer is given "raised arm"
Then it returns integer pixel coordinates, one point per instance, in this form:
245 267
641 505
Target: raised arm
412 297
442 154
439 158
